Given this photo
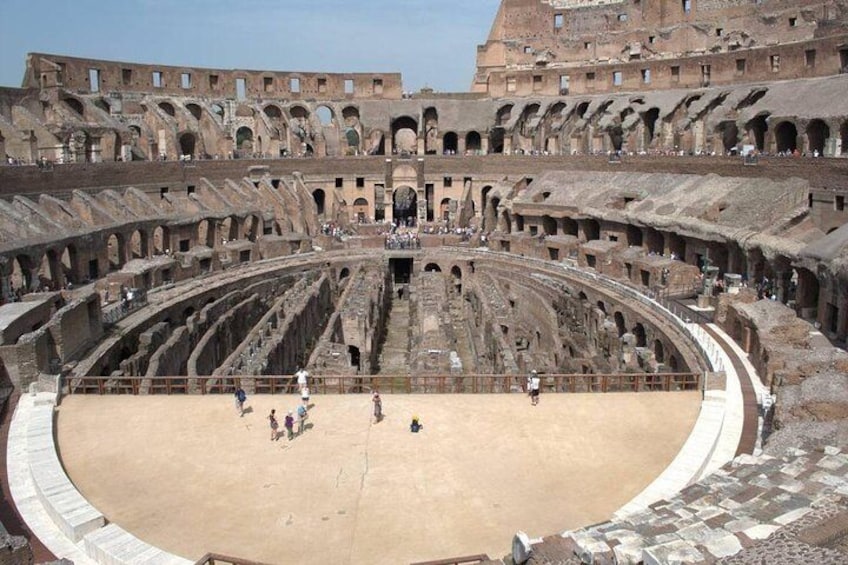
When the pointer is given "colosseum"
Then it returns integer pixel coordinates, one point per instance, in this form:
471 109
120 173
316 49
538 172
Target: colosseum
636 216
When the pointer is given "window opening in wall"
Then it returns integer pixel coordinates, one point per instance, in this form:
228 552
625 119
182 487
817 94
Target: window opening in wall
687 6
775 63
360 182
740 66
448 182
185 80
163 191
839 203
322 85
843 60
94 80
528 50
268 84
810 200
675 73
348 86
616 78
537 82
719 31
157 79
190 189
559 20
590 81
339 182
793 22
705 75
534 230
646 76
241 89
378 86
126 76
622 17
810 58
510 84
563 84
184 245
294 85
213 82
652 39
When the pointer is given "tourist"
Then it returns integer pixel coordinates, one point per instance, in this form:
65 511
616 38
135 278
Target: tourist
289 423
240 397
302 376
535 383
272 419
378 407
304 396
416 425
302 414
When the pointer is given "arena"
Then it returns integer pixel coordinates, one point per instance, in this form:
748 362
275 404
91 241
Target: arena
642 202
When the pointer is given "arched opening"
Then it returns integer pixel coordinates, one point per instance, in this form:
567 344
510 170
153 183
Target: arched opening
252 227
319 197
22 275
549 225
205 235
807 294
187 144
581 109
601 306
138 245
506 222
376 143
616 136
634 236
273 111
75 105
504 114
843 133
355 357
49 273
450 143
360 210
444 210
344 273
659 351
729 133
351 137
244 140
619 324
431 131
473 143
218 110
114 251
161 240
592 230
817 134
195 110
655 241
649 119
496 140
456 274
69 260
405 206
324 114
569 227
405 135
786 137
639 333
432 268
757 128
168 108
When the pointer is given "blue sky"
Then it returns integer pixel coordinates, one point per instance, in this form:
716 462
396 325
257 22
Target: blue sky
432 42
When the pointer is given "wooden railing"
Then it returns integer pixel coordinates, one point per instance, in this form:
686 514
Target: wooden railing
399 384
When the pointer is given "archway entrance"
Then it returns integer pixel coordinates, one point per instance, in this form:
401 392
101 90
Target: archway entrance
319 197
786 136
405 206
817 134
187 144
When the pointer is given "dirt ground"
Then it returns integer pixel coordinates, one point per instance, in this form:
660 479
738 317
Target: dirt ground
186 473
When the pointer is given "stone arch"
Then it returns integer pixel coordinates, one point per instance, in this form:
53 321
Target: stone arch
405 205
456 275
405 134
50 272
505 223
360 210
601 306
252 227
70 263
549 225
817 134
22 277
320 198
444 209
496 140
649 120
138 245
473 143
74 104
326 115
377 143
620 325
616 137
344 273
659 351
592 230
432 268
786 137
205 233
504 114
450 143
569 227
634 236
168 108
807 294
244 139
195 110
115 251
188 144
756 129
728 132
273 111
641 337
431 130
162 239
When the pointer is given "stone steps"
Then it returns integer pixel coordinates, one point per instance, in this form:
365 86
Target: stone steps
394 357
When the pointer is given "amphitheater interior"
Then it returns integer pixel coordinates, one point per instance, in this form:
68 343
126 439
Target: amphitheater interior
633 197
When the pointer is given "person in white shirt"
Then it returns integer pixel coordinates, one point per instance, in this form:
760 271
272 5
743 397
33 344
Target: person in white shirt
535 385
302 375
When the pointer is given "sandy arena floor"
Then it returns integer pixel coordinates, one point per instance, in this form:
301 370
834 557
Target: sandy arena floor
187 474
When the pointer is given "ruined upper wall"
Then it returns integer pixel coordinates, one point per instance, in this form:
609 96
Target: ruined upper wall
533 43
93 75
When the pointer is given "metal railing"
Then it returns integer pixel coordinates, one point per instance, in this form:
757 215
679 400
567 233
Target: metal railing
392 384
